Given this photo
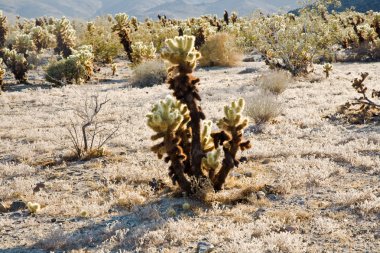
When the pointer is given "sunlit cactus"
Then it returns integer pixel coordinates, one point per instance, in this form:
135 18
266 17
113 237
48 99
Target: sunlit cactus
327 68
3 29
42 38
189 144
141 52
77 68
33 207
2 72
121 27
181 52
24 44
65 36
17 63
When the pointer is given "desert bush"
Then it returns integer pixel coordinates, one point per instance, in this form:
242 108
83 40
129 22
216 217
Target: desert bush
262 107
90 135
149 73
77 68
274 81
365 108
187 139
65 37
3 29
220 50
17 63
42 38
105 44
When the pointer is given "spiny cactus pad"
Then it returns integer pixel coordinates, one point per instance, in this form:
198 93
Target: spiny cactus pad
168 115
233 116
211 161
181 51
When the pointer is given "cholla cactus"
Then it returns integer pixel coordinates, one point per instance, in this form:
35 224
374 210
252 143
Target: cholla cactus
24 44
141 52
77 68
113 68
3 29
327 68
188 143
17 63
123 30
41 38
2 72
65 36
234 17
33 207
181 52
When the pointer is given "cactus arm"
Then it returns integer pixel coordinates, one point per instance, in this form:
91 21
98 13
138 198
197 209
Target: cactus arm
231 137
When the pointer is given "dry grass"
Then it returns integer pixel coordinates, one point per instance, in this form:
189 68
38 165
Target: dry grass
324 174
262 107
148 74
274 81
220 50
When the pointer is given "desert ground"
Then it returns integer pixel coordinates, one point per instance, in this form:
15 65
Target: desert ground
313 179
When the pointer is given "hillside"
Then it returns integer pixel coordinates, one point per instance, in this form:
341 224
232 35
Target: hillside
360 5
148 8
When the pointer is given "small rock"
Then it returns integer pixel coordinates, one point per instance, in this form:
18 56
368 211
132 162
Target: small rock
17 205
265 161
260 195
248 174
273 197
290 229
53 220
258 213
243 159
3 209
377 236
205 247
235 174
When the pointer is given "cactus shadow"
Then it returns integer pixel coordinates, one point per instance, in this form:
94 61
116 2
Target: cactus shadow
21 87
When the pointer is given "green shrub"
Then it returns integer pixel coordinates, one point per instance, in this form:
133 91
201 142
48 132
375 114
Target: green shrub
77 68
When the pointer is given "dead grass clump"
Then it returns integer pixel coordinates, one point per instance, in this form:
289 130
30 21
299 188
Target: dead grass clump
263 107
274 81
148 74
220 50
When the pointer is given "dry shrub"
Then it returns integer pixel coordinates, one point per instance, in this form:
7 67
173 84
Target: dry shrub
263 106
274 81
148 74
220 50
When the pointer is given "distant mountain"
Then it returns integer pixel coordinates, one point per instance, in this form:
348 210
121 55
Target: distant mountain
360 5
86 9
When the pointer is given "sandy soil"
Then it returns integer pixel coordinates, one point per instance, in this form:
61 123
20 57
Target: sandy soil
328 170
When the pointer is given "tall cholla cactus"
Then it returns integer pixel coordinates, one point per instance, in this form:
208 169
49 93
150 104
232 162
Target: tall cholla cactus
41 38
192 148
3 29
123 31
24 44
17 63
2 72
65 36
141 52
